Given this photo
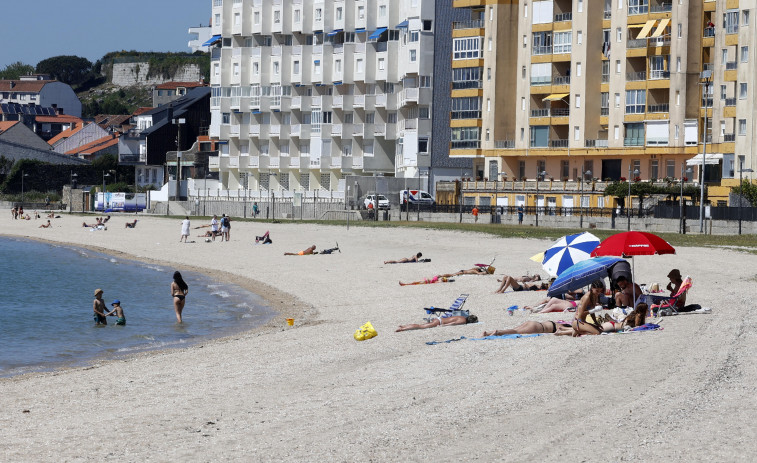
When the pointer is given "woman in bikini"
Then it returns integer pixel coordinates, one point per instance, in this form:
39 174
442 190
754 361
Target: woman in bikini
589 301
427 281
179 290
510 282
456 320
532 327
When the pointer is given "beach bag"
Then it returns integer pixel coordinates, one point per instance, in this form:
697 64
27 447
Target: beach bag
365 332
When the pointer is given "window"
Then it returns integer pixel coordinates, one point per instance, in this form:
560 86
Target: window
634 137
427 23
578 69
359 68
318 16
235 69
638 7
562 42
465 137
680 30
256 18
382 11
424 112
317 67
617 100
296 67
467 48
217 19
413 55
723 92
489 44
617 66
488 105
742 127
277 17
576 133
724 56
542 43
297 16
578 101
466 108
580 6
425 81
339 13
226 118
381 64
391 117
216 69
745 18
619 34
415 36
742 91
423 145
237 19
636 101
744 54
276 68
217 2
370 117
255 68
579 37
361 12
678 64
338 65
654 168
731 21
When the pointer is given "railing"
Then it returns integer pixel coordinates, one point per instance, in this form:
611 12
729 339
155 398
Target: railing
636 76
559 143
540 80
504 144
708 32
560 17
731 66
316 101
338 49
274 161
636 43
358 129
381 100
730 101
633 141
379 129
604 111
658 74
605 78
357 163
294 162
274 129
559 112
661 8
234 129
236 52
336 130
471 114
561 80
296 49
728 137
317 50
410 94
560 49
638 9
541 112
607 15
471 24
315 162
294 130
597 143
337 101
408 124
707 102
465 84
542 50
465 144
254 129
296 102
255 52
358 101
658 108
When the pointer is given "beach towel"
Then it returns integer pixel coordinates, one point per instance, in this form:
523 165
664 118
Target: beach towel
647 327
486 338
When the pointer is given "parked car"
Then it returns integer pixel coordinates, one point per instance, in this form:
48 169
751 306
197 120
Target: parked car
383 201
417 197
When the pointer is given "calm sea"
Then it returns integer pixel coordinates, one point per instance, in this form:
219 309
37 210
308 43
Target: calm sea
46 307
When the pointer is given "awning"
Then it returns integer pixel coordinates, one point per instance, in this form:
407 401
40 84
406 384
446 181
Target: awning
645 30
661 27
317 32
339 82
377 33
334 32
710 158
555 97
317 61
359 30
212 40
402 25
635 26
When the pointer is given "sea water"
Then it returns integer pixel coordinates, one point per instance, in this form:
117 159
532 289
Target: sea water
46 317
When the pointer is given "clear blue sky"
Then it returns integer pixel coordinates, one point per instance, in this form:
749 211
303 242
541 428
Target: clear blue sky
33 30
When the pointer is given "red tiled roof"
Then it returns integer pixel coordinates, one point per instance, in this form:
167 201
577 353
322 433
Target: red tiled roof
95 146
5 125
174 85
141 110
108 120
23 85
59 119
65 134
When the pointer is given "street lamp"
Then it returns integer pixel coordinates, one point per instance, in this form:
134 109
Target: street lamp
496 180
70 191
584 174
741 189
180 121
105 175
635 174
707 76
681 227
22 185
539 176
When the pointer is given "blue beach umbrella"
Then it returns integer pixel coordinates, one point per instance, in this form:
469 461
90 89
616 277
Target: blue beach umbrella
567 251
581 274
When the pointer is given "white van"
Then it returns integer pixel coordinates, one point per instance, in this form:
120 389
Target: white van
417 197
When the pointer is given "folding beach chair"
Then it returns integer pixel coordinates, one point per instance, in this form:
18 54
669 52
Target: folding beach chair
455 309
662 305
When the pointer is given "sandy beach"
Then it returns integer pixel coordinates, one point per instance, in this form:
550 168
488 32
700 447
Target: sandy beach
311 392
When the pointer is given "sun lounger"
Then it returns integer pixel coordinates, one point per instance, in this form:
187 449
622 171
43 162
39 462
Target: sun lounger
667 304
454 310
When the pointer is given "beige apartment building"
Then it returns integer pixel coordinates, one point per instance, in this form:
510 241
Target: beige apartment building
557 90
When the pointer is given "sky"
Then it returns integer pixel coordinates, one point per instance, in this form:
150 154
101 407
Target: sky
33 30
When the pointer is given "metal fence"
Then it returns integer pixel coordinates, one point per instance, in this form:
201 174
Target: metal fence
670 211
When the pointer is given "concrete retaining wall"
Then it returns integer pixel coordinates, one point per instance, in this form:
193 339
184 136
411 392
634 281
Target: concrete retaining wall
130 74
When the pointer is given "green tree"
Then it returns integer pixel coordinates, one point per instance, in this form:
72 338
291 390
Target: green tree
16 70
748 190
106 162
68 69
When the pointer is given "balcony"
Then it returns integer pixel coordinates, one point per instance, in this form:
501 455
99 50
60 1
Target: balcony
541 50
337 101
255 52
661 8
274 162
408 95
597 143
707 102
253 162
470 114
358 101
658 108
636 76
465 144
336 162
605 78
294 130
729 137
633 141
731 66
274 130
379 130
471 24
316 101
607 15
214 162
657 74
636 43
357 162
360 48
708 32
294 162
604 111
255 130
730 101
315 163
561 80
559 112
234 130
504 144
408 124
336 130
466 84
381 100
542 112
296 50
562 17
559 143
296 102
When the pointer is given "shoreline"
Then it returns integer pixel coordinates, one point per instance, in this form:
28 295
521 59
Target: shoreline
274 299
313 392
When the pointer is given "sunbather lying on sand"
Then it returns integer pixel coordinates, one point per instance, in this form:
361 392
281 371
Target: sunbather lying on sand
534 327
555 304
308 251
457 320
510 282
427 281
477 270
405 259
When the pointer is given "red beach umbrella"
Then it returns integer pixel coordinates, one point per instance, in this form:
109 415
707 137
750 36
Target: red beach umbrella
633 243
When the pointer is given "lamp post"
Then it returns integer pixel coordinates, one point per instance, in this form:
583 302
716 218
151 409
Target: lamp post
180 121
741 189
496 196
70 192
22 185
581 198
628 206
707 76
681 228
539 176
105 175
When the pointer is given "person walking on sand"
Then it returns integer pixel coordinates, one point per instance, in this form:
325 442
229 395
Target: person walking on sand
98 307
184 229
255 210
225 226
475 213
179 290
117 311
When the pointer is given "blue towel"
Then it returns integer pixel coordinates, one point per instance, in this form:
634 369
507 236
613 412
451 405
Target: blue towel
647 327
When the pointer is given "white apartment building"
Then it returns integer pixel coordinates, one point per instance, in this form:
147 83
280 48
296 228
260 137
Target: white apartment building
306 92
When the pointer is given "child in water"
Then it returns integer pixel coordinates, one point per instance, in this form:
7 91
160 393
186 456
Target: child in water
117 311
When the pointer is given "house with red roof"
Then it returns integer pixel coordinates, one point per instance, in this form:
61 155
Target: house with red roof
41 90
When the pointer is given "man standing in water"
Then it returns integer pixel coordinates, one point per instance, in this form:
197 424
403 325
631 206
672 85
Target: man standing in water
98 306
